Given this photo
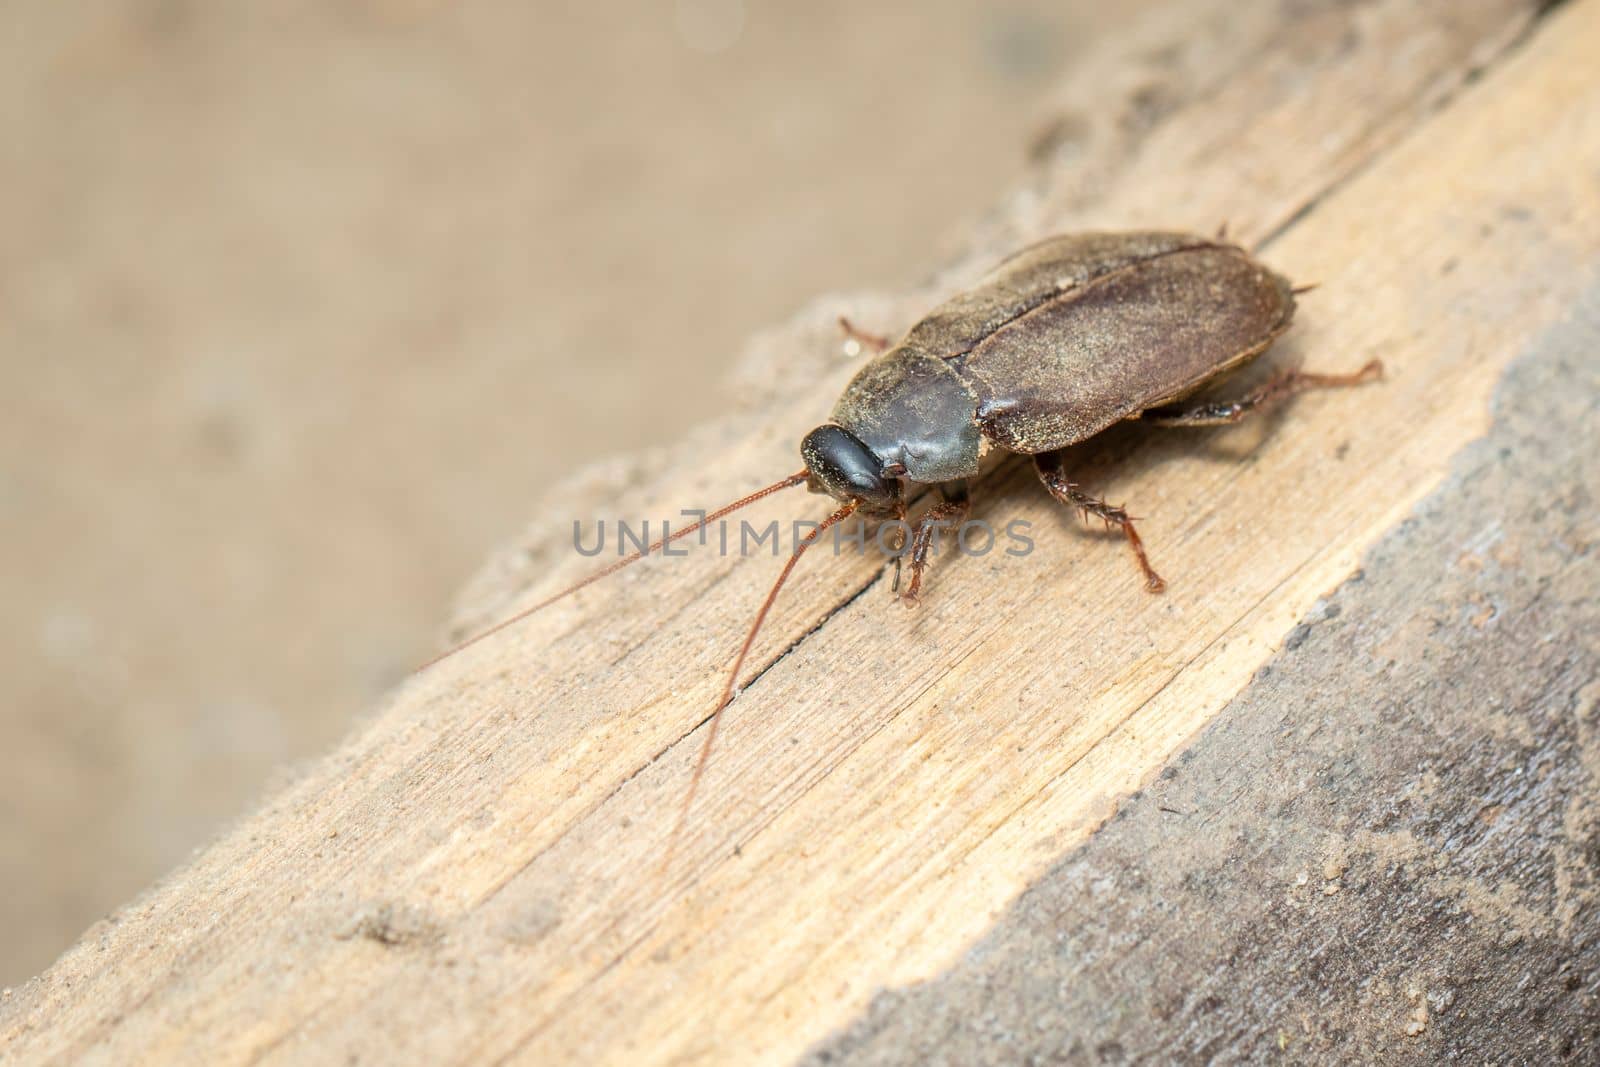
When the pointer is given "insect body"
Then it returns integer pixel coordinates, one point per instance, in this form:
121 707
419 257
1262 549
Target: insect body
1055 345
1059 342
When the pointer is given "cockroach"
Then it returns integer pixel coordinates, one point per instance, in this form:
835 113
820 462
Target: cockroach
1059 342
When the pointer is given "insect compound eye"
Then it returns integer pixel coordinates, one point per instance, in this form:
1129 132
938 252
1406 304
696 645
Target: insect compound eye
846 468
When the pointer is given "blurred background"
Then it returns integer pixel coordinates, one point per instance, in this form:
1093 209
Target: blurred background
302 305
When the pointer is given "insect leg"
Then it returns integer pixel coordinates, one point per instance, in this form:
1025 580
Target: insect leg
951 511
1054 477
872 342
1269 392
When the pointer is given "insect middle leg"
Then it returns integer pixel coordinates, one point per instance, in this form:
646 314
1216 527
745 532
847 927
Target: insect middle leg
1054 476
951 511
1271 391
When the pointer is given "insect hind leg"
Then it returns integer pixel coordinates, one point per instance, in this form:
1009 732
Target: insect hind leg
1269 392
1054 476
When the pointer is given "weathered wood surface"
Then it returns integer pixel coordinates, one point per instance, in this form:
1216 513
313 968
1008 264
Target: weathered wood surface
475 876
1387 848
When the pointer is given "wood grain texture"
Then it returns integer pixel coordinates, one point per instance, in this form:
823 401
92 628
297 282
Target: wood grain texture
476 875
1386 849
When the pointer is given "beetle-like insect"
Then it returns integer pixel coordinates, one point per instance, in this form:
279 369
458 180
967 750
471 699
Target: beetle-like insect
1059 342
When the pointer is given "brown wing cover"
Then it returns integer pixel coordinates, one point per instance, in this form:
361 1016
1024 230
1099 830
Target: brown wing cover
1132 337
1031 277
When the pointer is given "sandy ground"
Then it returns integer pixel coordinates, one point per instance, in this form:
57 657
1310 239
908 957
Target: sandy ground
302 305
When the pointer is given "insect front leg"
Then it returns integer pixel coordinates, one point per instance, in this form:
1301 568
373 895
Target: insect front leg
1269 392
951 511
1054 476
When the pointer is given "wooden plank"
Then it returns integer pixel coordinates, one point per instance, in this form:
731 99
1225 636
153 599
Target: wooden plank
476 875
1385 849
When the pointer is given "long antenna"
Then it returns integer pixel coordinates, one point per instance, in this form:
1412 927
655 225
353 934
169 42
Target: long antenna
738 662
789 482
